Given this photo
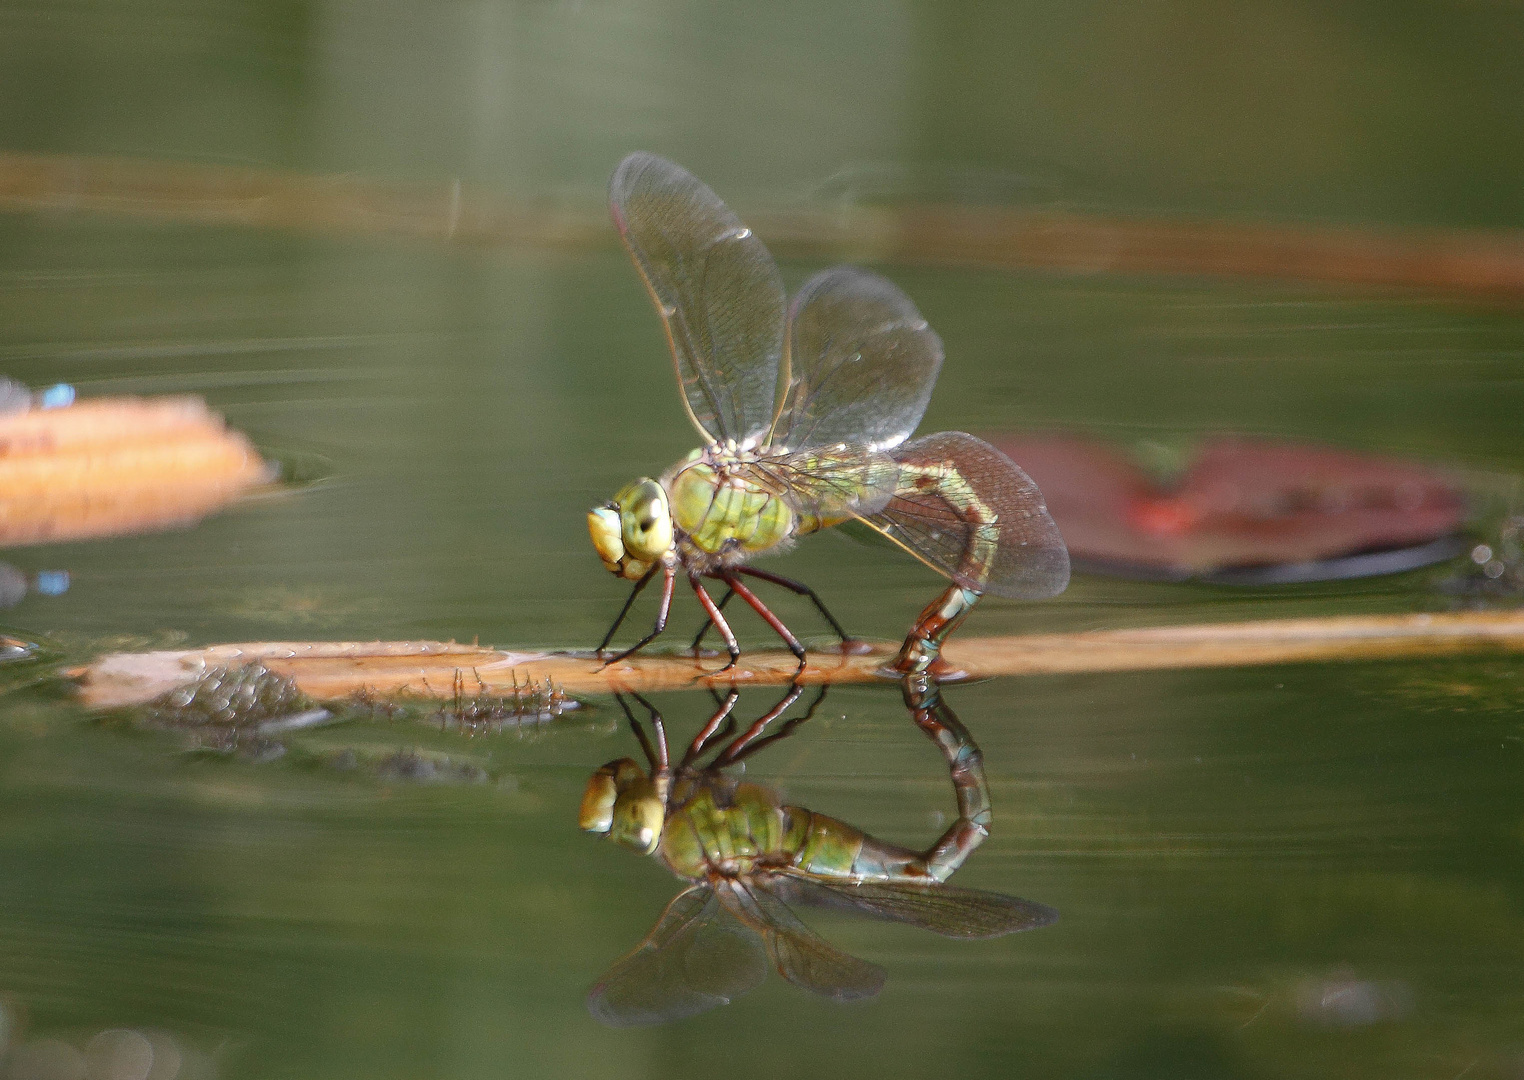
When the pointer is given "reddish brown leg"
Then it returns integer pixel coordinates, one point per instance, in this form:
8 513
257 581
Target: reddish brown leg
739 744
849 643
783 732
668 576
713 611
702 738
772 620
698 639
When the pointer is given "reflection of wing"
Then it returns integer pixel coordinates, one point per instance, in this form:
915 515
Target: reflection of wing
696 957
716 288
800 955
861 363
942 909
965 509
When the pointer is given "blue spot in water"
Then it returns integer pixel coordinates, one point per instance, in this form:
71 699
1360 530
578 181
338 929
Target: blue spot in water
56 397
52 582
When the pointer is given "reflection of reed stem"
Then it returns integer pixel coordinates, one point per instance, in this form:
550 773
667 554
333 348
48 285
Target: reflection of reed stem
332 670
1450 261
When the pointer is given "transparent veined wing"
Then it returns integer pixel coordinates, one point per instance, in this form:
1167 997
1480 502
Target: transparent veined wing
860 365
716 288
832 484
800 955
942 909
967 510
697 956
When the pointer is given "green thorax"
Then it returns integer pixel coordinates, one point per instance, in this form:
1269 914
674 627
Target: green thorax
737 828
729 500
721 507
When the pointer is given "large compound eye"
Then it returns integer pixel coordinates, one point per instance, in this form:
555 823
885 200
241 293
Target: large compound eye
608 538
603 787
597 812
646 520
639 813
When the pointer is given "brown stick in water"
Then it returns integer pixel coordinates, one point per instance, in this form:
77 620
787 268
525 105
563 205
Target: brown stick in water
332 670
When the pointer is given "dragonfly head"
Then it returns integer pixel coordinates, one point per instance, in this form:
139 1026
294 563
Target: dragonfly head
633 530
626 805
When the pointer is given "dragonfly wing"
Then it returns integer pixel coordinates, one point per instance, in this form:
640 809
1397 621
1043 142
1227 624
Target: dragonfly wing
834 484
716 288
801 956
861 363
942 909
696 957
965 509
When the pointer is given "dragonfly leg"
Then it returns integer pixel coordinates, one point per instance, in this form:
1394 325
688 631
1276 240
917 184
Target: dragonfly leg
738 745
721 714
660 761
801 589
629 603
640 735
719 624
732 756
772 620
965 765
669 576
922 650
703 630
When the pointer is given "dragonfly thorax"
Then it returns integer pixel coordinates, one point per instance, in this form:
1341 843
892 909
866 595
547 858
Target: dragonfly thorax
718 826
721 512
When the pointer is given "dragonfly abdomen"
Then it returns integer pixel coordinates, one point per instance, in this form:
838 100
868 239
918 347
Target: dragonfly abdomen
969 511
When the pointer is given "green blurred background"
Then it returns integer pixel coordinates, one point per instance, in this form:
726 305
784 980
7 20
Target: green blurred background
1227 849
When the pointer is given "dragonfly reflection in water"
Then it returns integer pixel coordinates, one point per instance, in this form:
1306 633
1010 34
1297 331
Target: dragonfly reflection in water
752 860
804 411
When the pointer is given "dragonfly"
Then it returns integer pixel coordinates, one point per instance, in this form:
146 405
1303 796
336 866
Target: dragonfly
750 860
805 410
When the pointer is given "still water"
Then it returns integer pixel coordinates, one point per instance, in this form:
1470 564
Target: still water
1296 871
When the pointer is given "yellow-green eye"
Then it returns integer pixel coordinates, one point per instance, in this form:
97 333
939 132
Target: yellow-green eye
603 787
603 527
639 813
645 520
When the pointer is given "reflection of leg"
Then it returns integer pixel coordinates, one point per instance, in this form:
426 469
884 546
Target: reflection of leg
965 764
640 735
721 714
698 638
737 748
784 731
668 576
923 645
802 590
660 728
629 602
720 624
772 620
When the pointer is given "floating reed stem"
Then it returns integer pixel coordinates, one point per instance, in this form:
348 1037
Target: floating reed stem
328 671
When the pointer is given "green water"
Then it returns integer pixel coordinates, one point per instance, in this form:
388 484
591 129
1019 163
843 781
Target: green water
1233 853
